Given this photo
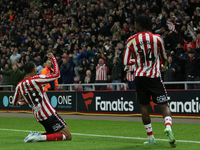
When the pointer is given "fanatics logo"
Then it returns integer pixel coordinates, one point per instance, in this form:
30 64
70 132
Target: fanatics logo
86 98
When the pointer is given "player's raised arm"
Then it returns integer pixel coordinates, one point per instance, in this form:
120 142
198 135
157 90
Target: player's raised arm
56 72
52 76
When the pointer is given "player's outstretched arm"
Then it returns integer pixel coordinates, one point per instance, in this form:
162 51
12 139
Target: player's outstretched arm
16 96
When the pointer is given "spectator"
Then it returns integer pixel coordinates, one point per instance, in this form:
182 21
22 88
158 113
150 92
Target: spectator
170 40
67 70
90 54
88 78
15 75
38 60
76 61
171 73
130 76
116 31
5 78
83 68
40 68
115 65
191 68
93 69
59 60
22 47
53 85
15 56
102 29
98 21
93 41
2 63
82 53
101 74
179 50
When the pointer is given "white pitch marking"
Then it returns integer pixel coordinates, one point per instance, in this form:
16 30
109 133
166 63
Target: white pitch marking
108 136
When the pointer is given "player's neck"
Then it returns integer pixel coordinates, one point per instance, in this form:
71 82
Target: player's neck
143 30
29 75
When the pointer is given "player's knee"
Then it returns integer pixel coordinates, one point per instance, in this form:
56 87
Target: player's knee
69 137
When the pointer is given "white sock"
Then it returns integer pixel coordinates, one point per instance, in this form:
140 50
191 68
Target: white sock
64 137
168 122
42 138
149 131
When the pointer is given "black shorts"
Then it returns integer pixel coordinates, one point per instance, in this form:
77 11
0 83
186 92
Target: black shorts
147 87
53 124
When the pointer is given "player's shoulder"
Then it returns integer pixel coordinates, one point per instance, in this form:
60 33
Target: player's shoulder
157 35
130 38
38 77
20 83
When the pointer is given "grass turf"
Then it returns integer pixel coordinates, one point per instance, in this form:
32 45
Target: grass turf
13 140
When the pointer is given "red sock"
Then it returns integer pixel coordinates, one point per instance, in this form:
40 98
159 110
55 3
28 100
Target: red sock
55 137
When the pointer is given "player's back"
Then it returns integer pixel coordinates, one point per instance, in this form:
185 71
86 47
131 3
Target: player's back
147 48
34 94
32 90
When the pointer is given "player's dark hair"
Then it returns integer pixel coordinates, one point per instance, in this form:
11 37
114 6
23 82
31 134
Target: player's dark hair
144 21
29 66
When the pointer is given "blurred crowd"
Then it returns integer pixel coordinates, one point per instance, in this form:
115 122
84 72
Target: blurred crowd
88 38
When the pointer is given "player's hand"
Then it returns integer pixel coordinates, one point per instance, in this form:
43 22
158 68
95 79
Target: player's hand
50 55
163 68
21 102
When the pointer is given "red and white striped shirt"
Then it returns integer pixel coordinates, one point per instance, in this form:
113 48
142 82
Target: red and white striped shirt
32 91
171 26
146 49
101 73
130 76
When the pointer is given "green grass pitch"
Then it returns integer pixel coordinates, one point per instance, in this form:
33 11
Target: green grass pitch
97 135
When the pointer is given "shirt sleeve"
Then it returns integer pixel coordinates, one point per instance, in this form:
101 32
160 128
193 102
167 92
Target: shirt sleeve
49 77
127 54
162 50
127 57
16 96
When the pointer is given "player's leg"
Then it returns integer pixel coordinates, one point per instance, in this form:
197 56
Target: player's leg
166 114
143 97
65 131
159 96
147 124
168 123
62 135
56 130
